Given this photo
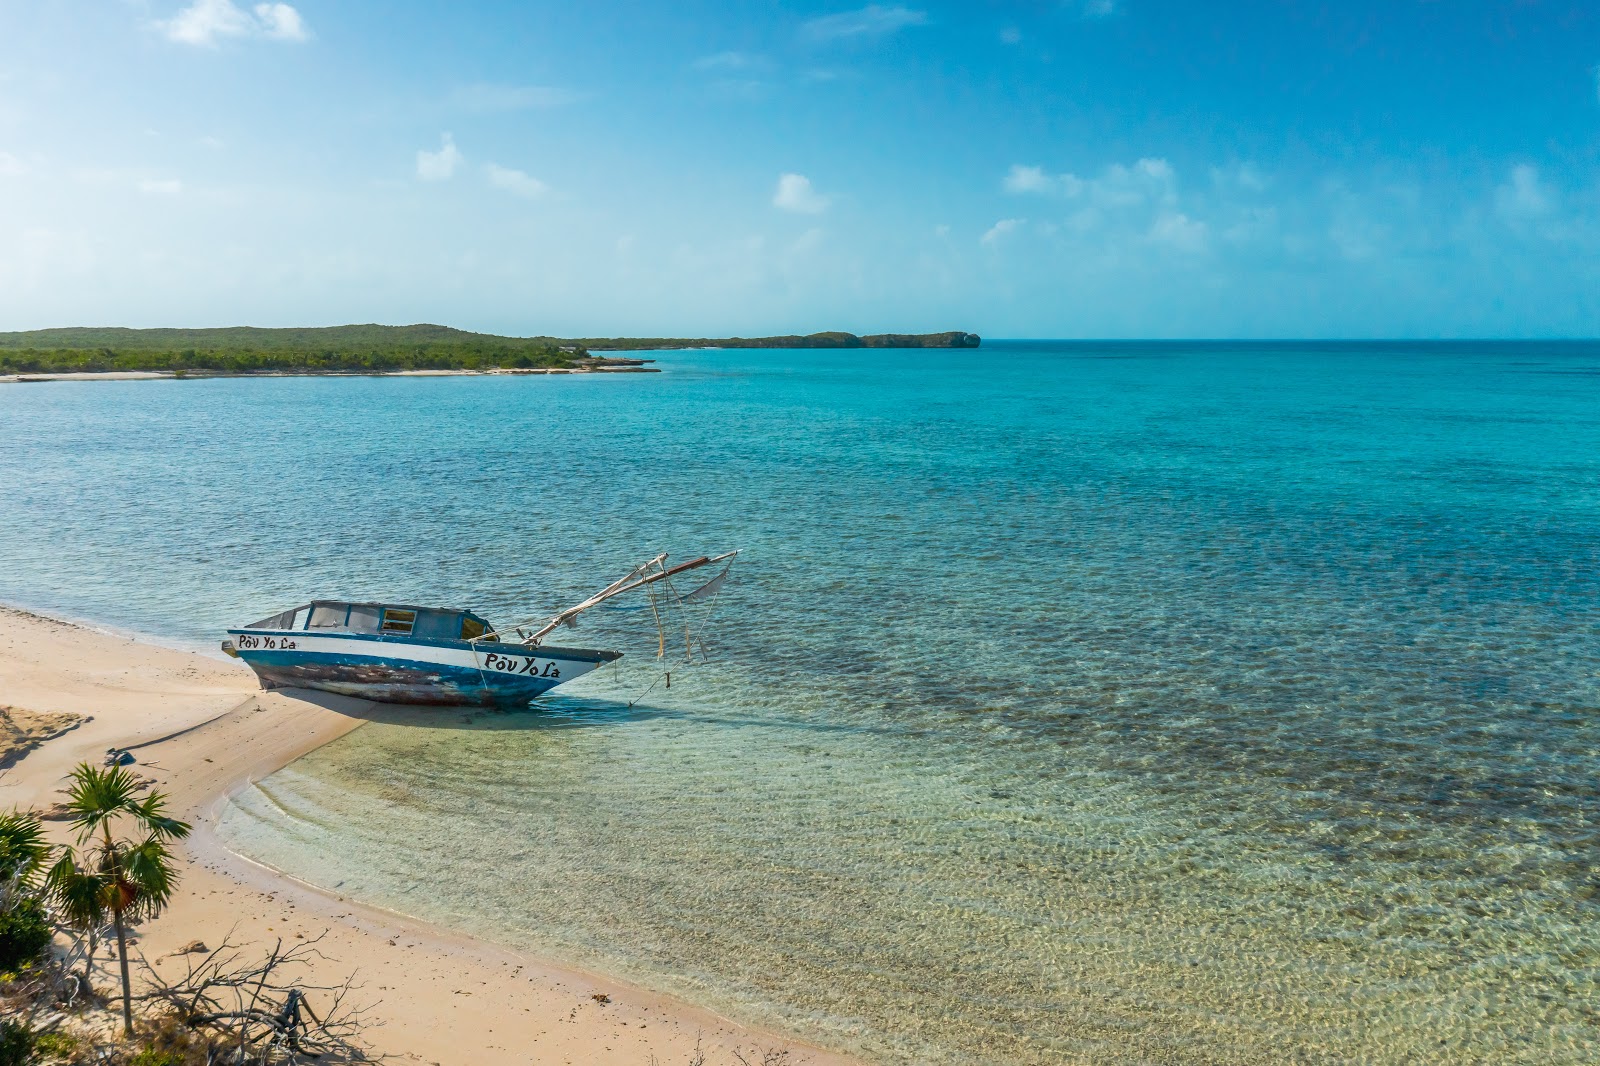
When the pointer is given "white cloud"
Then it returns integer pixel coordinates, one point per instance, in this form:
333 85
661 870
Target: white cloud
1180 231
440 165
515 181
280 22
1028 179
874 20
161 186
1524 195
490 98
795 193
11 166
1000 229
205 22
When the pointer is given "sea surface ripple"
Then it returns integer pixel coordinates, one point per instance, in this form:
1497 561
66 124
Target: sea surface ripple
1199 703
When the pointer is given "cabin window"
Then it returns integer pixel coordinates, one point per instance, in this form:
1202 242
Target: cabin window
396 621
328 616
363 619
472 629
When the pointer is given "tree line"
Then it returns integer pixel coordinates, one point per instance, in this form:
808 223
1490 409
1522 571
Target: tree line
450 356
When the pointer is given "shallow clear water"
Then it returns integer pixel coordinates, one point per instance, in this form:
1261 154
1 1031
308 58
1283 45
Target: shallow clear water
1102 703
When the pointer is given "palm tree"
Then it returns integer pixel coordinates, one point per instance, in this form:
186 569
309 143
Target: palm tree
126 880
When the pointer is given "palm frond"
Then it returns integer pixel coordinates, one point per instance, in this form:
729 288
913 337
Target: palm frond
23 849
98 794
153 813
147 871
82 896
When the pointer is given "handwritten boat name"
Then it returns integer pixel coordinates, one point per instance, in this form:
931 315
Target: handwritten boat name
266 642
516 664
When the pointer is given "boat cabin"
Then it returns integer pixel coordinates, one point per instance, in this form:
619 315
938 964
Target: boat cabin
387 619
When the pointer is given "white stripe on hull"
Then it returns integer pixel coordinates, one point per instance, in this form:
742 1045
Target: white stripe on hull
491 658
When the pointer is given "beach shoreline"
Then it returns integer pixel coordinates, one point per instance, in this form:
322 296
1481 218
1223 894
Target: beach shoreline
197 375
201 730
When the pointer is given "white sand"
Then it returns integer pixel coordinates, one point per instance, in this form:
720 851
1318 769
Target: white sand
437 997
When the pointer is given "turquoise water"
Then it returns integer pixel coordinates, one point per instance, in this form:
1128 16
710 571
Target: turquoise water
1099 703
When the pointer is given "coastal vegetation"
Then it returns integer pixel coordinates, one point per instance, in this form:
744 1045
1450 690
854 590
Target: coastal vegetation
56 905
366 349
338 349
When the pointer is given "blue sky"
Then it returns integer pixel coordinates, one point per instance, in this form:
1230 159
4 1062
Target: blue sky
1083 168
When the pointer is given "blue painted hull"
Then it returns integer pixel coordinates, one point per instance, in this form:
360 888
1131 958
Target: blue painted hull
426 672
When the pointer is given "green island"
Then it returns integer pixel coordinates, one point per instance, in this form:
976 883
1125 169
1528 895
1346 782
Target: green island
372 349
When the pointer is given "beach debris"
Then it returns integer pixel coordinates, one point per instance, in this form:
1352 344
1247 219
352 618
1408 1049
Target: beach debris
118 757
193 947
600 997
258 1010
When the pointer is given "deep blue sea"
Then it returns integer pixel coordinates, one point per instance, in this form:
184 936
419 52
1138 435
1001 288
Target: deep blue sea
1189 703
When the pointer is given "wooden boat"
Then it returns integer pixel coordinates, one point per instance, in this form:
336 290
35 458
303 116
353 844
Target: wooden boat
406 653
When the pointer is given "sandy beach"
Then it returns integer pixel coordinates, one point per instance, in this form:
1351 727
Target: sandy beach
201 729
195 375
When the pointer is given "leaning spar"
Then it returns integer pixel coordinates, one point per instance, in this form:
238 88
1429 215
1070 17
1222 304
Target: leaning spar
639 577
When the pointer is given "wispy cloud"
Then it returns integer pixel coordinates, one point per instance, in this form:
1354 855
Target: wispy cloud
1100 9
731 61
161 186
515 181
1239 176
1149 181
796 194
1180 231
11 166
1000 229
1010 35
1027 179
874 20
1523 196
440 165
204 23
487 98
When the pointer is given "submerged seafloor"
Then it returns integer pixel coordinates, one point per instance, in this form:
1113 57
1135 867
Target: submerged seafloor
1189 703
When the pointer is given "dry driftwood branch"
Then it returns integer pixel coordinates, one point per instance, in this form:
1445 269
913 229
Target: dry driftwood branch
256 1007
769 1057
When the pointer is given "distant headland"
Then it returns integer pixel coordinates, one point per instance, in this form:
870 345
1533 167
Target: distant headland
373 349
953 339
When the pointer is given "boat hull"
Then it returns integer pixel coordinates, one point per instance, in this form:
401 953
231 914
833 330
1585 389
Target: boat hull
390 669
